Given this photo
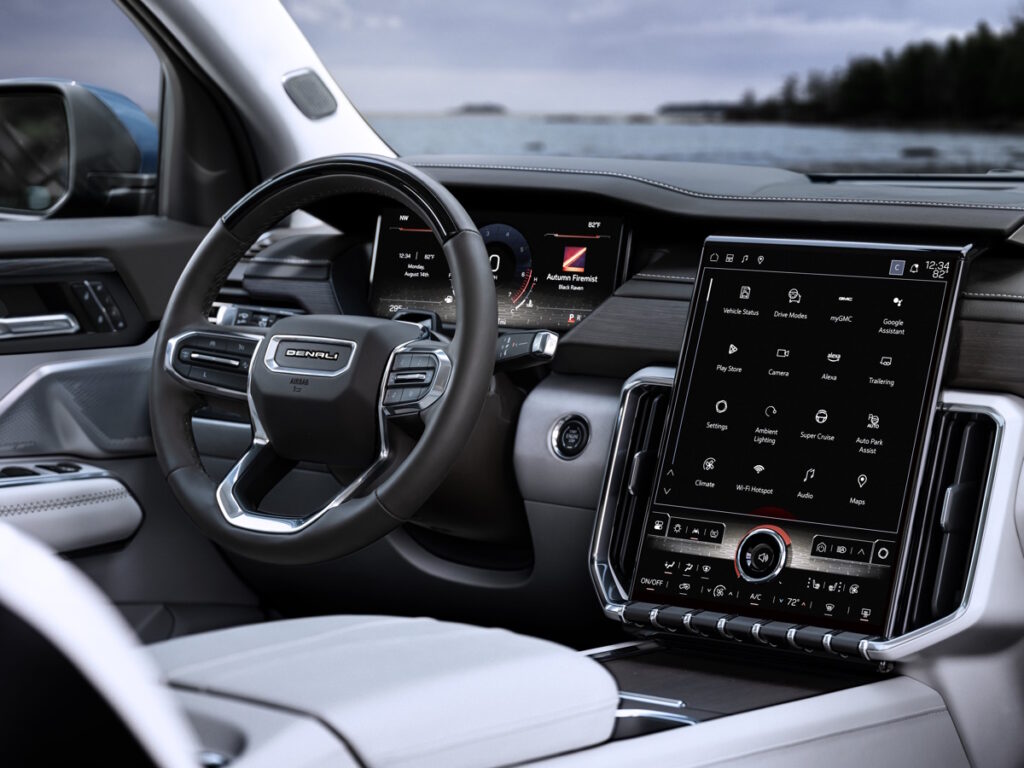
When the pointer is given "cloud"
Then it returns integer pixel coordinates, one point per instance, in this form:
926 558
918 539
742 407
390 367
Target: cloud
591 55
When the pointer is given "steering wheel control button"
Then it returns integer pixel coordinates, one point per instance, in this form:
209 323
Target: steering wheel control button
761 554
406 360
411 378
569 436
214 361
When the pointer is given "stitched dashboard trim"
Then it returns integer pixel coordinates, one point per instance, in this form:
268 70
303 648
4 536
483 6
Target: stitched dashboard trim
720 196
983 295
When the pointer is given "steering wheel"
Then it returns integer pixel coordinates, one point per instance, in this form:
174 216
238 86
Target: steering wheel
320 388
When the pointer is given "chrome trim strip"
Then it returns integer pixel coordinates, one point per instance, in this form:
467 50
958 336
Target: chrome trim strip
172 353
373 255
644 698
628 645
60 324
655 714
275 341
204 358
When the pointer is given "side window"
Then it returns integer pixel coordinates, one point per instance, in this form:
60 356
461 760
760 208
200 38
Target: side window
80 91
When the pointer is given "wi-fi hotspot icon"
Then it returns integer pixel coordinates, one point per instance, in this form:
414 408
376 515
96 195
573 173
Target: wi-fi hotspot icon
759 468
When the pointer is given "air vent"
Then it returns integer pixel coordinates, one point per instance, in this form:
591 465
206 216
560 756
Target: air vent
948 516
650 412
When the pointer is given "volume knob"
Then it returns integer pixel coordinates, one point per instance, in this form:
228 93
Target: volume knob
761 554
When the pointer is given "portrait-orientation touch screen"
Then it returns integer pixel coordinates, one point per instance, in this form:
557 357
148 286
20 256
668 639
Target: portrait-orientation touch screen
802 400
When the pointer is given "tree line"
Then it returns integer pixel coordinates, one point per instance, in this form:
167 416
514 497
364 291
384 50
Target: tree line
975 81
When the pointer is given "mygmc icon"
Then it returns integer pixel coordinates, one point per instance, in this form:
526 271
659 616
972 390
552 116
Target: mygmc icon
315 354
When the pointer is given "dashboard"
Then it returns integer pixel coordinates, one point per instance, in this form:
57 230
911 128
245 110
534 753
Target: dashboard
915 508
852 487
550 271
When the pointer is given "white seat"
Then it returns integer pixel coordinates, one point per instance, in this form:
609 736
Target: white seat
397 692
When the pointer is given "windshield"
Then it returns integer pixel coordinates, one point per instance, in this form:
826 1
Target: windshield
923 86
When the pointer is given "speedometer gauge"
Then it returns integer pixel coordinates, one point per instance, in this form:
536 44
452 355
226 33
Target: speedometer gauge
511 262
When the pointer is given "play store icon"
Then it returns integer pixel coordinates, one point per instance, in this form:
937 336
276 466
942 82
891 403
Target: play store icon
733 349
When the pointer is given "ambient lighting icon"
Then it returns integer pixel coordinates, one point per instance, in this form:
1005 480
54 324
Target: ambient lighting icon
574 258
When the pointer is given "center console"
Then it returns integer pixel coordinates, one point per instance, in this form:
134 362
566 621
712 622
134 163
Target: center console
794 482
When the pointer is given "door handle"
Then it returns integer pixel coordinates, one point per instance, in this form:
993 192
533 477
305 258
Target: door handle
30 326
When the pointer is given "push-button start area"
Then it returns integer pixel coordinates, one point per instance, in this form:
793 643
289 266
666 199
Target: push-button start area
317 385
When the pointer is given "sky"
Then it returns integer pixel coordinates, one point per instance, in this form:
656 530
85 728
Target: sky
528 55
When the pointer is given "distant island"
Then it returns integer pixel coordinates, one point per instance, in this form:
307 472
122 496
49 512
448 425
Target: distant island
971 82
484 108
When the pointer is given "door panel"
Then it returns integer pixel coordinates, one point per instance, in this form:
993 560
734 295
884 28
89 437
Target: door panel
83 397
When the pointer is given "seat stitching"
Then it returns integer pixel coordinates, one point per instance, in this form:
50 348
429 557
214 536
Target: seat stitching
47 505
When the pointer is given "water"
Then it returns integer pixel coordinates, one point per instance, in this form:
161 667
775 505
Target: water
803 148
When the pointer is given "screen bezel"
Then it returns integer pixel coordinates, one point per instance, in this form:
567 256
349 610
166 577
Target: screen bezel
486 213
958 256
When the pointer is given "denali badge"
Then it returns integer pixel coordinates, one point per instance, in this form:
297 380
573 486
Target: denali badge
314 354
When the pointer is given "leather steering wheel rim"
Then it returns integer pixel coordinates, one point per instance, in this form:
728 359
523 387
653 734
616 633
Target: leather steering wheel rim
357 521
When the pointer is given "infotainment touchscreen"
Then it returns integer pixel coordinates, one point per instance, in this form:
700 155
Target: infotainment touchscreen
802 402
550 271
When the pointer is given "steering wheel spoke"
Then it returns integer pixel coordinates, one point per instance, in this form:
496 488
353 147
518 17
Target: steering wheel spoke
212 361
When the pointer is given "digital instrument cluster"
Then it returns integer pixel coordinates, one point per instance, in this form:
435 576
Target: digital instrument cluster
801 405
549 271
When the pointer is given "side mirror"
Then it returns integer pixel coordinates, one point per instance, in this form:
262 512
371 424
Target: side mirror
68 149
